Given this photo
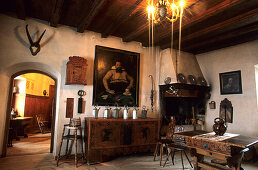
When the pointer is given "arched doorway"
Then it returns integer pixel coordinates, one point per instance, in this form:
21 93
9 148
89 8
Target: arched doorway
31 108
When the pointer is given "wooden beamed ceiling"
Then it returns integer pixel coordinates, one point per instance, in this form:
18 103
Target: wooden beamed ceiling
206 25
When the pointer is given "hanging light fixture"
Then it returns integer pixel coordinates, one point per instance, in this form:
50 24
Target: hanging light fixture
165 11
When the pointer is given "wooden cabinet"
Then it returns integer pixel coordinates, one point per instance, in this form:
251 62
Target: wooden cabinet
76 71
109 138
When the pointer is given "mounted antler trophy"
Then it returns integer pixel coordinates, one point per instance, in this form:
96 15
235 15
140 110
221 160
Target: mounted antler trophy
34 46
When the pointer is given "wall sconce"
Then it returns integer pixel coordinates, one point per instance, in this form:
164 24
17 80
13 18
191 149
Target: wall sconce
212 105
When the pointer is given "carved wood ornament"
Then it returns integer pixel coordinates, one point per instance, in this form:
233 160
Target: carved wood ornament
76 71
226 111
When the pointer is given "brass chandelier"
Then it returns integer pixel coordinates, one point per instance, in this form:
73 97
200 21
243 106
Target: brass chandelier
165 11
169 12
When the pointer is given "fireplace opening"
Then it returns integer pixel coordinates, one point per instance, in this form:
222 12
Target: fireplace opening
183 109
187 103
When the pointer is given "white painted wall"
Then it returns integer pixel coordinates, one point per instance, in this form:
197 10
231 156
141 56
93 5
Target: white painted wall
242 57
186 64
56 47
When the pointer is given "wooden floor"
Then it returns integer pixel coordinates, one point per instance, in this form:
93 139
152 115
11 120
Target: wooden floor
32 153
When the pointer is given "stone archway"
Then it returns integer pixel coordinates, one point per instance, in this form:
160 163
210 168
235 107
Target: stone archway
31 67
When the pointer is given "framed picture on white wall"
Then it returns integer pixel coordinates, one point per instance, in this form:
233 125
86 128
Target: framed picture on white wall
230 82
116 77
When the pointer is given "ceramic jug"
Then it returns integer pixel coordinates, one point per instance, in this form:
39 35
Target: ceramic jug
135 110
116 112
126 112
107 112
144 112
95 112
219 126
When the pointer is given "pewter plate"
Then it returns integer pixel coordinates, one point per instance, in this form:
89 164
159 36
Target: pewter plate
201 81
181 78
167 80
192 79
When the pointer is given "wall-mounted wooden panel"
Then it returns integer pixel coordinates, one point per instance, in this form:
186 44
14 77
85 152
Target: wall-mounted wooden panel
38 105
76 71
69 107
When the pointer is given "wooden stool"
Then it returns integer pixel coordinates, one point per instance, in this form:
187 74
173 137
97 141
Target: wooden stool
74 125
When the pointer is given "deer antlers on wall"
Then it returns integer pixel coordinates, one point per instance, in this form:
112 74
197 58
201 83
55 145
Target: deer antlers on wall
34 46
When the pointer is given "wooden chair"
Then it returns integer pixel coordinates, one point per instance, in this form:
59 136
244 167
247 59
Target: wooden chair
164 142
43 124
74 125
178 145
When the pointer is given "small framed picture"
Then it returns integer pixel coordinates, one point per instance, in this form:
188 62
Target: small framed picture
230 82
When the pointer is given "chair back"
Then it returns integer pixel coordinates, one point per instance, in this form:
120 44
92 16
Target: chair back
75 122
171 128
37 118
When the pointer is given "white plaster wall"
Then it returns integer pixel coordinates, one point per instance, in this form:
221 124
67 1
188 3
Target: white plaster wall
186 64
166 66
56 47
241 57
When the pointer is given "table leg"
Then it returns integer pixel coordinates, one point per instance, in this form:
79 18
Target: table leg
196 159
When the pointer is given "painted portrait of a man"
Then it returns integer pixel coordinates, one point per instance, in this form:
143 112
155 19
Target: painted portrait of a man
116 77
230 83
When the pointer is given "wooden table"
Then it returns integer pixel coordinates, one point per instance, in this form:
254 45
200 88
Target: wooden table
230 149
19 124
109 138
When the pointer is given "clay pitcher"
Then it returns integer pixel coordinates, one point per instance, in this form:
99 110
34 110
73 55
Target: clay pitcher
219 126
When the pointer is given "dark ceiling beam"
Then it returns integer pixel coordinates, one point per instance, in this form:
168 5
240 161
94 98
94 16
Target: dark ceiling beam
216 10
212 11
251 36
95 9
20 9
223 37
140 30
237 21
56 12
120 19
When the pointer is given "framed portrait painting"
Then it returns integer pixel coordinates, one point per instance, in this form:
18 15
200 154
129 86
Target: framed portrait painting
230 82
116 77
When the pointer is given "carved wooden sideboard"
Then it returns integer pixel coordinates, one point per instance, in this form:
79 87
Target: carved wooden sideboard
106 139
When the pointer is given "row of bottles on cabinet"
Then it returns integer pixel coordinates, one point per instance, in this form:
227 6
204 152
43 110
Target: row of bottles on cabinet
115 113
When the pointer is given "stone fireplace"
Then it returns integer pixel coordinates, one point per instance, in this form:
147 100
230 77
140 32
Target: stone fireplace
184 101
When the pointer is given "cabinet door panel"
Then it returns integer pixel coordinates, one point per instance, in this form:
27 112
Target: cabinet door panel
105 134
145 133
